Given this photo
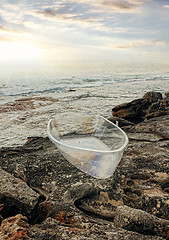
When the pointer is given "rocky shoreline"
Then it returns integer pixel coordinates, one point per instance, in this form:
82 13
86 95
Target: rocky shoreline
42 196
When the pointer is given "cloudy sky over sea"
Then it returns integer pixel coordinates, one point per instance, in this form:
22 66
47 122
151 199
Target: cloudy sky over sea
105 31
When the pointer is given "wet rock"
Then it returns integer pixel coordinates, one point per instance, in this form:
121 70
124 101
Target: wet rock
136 110
16 196
140 221
27 103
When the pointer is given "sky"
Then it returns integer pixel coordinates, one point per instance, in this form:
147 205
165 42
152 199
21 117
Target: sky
84 31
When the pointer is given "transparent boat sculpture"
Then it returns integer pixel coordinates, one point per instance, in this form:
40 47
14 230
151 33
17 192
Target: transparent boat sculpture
92 144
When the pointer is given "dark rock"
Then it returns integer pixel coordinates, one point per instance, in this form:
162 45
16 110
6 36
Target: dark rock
140 221
79 191
152 97
129 111
155 202
49 229
136 110
166 95
16 196
100 205
15 227
143 136
74 205
154 129
158 108
88 230
61 212
1 207
121 122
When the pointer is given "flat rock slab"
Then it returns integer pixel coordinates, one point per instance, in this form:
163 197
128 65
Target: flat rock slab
157 128
16 196
89 230
149 137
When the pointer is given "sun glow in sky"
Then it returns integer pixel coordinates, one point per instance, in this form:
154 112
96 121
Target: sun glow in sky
83 31
19 51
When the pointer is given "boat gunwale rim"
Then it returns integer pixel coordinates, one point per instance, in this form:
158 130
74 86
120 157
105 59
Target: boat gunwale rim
54 140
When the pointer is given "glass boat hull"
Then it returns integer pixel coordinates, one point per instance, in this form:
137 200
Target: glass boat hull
96 146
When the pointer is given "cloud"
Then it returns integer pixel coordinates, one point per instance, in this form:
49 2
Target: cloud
78 24
132 44
166 6
121 6
96 15
10 33
161 43
3 29
137 44
118 7
73 18
3 39
85 10
10 30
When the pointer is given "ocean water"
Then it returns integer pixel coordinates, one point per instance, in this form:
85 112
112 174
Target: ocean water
31 95
25 80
